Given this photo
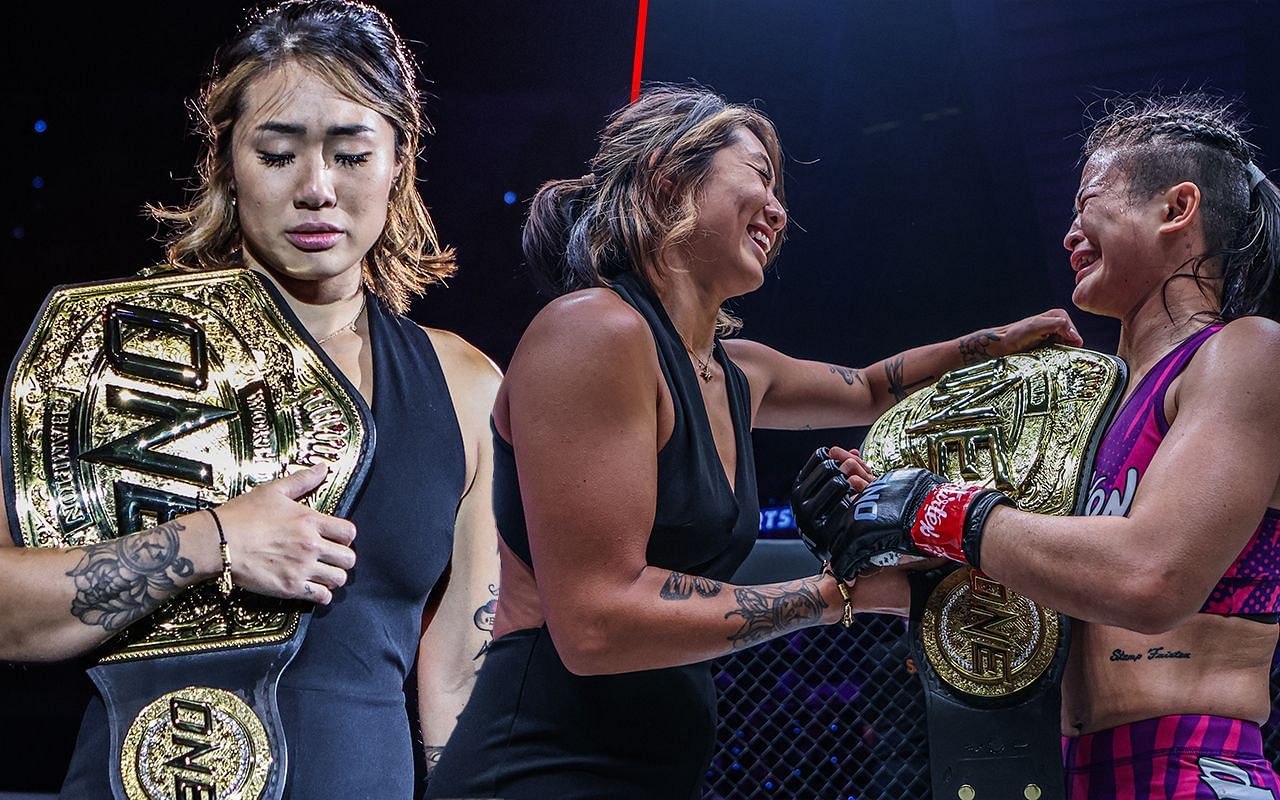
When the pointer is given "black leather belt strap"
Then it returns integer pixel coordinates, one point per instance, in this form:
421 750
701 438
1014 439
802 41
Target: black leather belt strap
989 748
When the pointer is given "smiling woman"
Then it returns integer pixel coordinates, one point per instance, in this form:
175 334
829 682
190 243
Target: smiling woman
625 479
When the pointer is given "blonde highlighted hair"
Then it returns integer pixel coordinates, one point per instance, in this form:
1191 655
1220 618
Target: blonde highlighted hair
353 47
640 200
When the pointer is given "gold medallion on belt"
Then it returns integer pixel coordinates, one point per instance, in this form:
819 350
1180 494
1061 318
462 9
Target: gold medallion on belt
1026 424
138 400
196 742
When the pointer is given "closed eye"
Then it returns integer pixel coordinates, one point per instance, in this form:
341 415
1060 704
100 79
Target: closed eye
351 159
275 159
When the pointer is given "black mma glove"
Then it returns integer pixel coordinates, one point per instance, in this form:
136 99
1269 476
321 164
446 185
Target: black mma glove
907 511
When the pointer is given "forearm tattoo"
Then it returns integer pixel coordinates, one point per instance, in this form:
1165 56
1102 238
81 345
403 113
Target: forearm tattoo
893 374
973 349
432 756
123 580
769 610
679 586
849 375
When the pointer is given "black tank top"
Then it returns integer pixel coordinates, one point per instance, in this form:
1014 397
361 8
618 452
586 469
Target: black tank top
342 698
702 526
533 730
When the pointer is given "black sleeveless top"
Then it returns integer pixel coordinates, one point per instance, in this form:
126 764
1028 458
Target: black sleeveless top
533 729
342 699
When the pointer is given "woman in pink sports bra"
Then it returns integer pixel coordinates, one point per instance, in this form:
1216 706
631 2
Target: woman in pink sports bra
1175 577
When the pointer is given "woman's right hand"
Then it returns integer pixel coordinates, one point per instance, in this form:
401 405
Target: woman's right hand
283 548
855 470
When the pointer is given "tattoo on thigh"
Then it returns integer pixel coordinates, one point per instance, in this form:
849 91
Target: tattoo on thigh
120 581
893 374
974 348
679 586
769 610
849 375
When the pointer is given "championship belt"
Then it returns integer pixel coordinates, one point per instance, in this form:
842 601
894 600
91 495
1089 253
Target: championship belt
990 659
133 402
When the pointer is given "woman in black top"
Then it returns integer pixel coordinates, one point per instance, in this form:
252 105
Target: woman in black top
313 125
627 423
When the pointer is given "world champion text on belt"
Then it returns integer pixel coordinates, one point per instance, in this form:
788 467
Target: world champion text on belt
133 402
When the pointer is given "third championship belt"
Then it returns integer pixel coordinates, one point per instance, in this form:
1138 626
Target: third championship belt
133 402
990 659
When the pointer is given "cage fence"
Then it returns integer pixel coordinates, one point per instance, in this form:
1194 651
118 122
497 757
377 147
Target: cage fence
830 713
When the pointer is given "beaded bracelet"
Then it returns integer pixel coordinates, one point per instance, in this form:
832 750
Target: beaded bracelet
846 619
224 580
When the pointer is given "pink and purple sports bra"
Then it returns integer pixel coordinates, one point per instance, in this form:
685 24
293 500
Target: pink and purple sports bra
1251 586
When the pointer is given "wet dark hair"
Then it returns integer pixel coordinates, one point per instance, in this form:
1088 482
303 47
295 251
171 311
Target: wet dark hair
1196 137
354 47
641 196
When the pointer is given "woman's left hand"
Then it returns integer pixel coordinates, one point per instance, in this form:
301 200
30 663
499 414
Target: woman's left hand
1052 327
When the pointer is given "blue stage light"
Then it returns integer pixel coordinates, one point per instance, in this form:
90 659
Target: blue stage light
509 198
37 182
41 126
19 232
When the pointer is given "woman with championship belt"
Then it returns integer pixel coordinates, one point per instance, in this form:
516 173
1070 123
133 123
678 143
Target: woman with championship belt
1174 575
624 482
312 124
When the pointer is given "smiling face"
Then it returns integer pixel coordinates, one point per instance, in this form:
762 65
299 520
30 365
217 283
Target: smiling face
313 172
1114 241
740 219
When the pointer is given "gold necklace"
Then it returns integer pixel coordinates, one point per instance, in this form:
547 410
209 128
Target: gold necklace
704 365
350 326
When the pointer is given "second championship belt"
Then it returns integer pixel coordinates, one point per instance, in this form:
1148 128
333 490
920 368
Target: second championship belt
990 659
133 402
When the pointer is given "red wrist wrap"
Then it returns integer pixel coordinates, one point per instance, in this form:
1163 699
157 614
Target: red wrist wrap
939 524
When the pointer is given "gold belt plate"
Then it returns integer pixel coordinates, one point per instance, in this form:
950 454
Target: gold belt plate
137 400
1026 424
984 639
196 742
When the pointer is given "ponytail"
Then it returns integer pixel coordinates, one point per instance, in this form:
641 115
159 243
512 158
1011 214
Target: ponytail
640 201
555 237
1249 285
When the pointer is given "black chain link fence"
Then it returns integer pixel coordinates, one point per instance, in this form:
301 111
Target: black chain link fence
834 714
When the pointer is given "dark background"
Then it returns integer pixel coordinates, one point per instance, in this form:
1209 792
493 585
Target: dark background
932 162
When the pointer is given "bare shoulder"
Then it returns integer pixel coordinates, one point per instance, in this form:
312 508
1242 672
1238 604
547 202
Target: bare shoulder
461 361
1240 363
747 350
473 381
587 311
591 328
1246 350
749 354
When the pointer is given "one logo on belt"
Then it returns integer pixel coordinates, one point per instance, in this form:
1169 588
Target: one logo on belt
197 743
984 639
